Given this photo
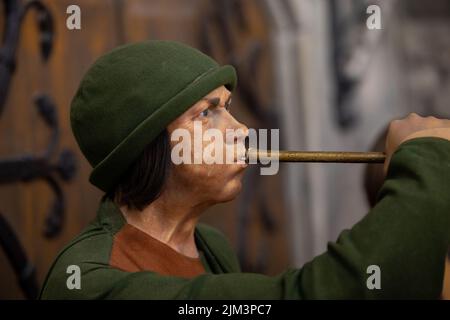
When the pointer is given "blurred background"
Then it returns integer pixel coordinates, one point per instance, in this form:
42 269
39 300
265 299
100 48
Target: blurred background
311 68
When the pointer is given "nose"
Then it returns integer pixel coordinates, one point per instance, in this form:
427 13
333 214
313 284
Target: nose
240 129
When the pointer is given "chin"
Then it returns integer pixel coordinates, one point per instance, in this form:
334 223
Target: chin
230 191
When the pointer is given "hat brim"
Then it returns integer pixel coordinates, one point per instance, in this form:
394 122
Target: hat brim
108 172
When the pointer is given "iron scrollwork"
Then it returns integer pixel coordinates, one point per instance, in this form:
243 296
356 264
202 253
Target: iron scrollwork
28 167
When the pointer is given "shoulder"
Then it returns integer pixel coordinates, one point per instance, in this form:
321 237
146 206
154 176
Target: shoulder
219 245
88 251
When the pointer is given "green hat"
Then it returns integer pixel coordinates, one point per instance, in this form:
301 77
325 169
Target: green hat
130 95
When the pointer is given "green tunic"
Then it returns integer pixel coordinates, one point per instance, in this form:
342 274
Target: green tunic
407 234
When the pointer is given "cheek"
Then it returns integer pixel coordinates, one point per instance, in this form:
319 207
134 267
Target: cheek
196 178
203 174
211 180
223 182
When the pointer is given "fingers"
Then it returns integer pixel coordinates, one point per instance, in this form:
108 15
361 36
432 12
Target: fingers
410 127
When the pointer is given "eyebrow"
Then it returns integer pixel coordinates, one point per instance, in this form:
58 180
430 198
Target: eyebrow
213 101
216 101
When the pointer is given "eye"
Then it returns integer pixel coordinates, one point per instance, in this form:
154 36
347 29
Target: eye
204 113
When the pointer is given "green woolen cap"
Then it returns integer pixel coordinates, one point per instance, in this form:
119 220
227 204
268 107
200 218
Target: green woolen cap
130 95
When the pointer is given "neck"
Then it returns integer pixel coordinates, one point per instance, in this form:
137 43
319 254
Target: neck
170 219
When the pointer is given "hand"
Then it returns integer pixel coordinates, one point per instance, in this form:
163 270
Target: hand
413 126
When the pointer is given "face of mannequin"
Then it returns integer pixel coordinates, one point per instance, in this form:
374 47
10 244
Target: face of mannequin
209 182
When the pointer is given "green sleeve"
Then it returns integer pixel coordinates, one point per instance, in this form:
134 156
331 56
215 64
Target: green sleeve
406 234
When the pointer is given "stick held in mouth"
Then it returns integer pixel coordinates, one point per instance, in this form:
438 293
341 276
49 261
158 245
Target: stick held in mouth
316 156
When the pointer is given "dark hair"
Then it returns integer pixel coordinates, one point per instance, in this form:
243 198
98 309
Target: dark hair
144 180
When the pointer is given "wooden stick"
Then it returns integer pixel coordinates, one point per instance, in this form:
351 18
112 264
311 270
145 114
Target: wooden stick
317 156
